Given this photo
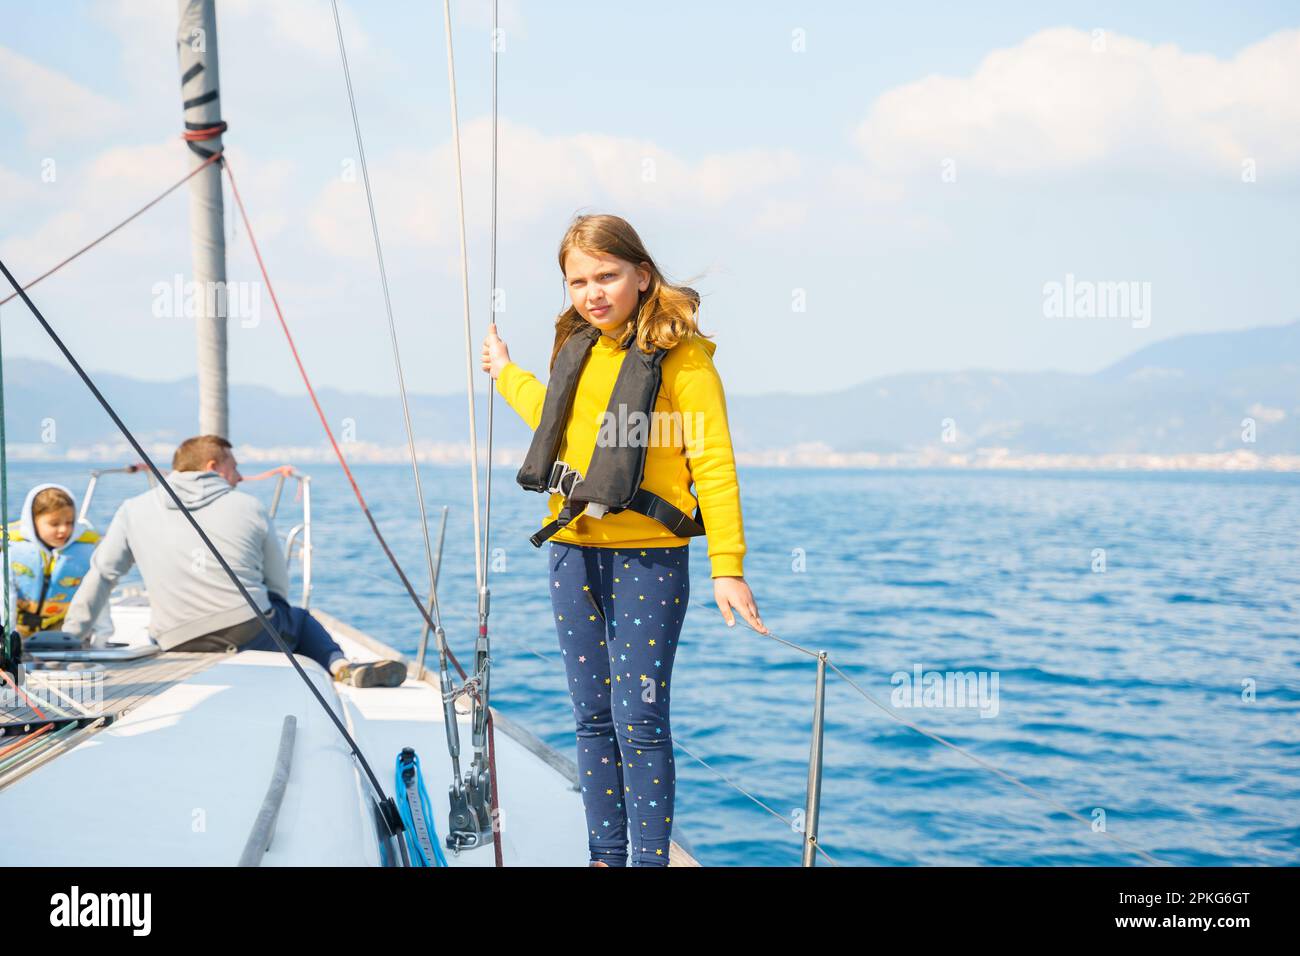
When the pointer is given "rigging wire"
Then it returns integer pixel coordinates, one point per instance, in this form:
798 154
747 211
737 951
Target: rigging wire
785 821
6 637
481 543
1036 794
392 327
225 162
481 667
678 742
483 661
320 412
464 275
480 569
390 809
492 298
90 245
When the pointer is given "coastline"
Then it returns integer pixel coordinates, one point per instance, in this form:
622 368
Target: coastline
808 455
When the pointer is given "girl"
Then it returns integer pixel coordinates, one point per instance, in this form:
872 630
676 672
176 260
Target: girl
48 557
619 582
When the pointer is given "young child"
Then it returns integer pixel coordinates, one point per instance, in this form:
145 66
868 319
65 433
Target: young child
48 557
619 579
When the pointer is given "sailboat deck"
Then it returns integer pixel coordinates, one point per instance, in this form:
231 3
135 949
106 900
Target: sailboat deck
181 773
119 687
85 701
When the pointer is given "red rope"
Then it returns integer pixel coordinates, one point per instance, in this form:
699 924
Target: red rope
320 412
492 778
285 470
26 741
28 700
210 132
147 206
491 724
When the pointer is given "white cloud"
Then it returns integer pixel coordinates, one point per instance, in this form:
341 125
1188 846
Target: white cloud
775 215
865 185
1267 415
306 25
53 108
17 188
537 175
477 15
92 197
287 25
116 182
1060 101
126 173
297 36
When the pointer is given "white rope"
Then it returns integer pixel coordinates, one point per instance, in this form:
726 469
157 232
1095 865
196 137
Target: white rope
464 281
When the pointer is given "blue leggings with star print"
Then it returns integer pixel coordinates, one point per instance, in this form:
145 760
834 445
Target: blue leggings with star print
619 614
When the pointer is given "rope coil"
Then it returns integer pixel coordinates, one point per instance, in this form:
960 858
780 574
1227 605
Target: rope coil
207 132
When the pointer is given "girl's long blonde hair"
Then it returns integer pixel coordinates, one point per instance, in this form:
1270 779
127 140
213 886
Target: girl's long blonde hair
666 313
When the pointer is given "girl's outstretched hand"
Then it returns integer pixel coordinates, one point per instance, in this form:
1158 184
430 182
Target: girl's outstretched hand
495 354
731 593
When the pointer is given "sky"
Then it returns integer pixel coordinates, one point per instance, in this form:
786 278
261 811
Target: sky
856 189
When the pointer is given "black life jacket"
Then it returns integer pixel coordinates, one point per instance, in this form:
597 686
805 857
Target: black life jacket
613 480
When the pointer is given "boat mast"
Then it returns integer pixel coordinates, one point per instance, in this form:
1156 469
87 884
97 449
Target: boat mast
196 44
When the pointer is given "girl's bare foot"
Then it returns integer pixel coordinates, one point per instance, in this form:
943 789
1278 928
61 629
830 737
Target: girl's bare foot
598 863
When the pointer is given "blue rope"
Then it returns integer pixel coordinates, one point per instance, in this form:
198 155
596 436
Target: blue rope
408 818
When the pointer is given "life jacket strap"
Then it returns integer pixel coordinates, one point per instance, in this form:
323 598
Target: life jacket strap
546 531
643 502
671 517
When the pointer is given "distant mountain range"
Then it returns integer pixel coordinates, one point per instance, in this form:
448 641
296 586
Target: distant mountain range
1186 394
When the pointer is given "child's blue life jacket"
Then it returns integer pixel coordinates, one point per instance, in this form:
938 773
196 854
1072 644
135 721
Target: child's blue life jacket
44 579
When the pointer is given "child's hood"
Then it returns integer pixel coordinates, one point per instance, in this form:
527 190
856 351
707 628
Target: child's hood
28 522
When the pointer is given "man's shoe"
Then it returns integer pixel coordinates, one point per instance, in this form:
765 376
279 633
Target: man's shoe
372 673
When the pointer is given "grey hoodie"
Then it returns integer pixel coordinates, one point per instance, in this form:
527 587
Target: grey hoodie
189 594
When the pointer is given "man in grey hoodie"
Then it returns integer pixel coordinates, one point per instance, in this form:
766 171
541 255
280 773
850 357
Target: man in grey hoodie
194 604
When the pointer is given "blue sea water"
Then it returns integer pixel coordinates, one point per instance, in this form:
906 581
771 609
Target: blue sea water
1142 629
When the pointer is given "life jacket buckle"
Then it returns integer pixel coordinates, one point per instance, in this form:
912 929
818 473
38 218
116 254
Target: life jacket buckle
563 479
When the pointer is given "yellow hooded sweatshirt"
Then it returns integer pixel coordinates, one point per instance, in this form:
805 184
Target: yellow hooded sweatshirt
693 446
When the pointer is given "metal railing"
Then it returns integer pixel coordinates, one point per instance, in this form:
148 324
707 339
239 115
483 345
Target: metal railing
84 515
299 536
303 528
813 796
811 846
